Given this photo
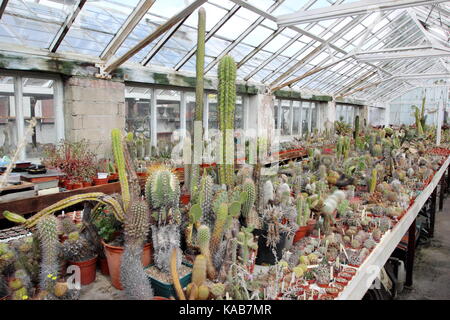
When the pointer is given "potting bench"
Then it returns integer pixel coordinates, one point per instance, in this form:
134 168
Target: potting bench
369 270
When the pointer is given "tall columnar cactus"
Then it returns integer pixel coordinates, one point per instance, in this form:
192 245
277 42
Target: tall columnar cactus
199 99
221 220
203 242
373 181
246 242
205 199
133 276
356 132
162 192
119 158
302 212
199 270
226 108
250 196
47 229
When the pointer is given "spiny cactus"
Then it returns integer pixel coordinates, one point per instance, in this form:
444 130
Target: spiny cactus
165 238
373 181
250 198
218 290
199 270
206 199
267 193
133 276
226 107
47 229
356 132
219 226
203 241
119 158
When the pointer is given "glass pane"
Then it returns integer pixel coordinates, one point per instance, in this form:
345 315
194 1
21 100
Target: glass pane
213 121
38 103
239 113
285 118
137 111
167 118
8 128
296 123
305 117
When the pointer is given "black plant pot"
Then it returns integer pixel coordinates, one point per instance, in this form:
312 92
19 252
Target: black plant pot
265 254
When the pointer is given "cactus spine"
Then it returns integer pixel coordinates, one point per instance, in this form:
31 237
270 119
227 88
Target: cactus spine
206 198
250 196
132 274
119 158
222 216
203 241
47 229
226 107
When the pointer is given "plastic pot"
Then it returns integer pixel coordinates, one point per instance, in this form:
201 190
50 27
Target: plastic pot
185 198
77 185
98 181
300 234
114 255
87 184
88 270
265 254
103 264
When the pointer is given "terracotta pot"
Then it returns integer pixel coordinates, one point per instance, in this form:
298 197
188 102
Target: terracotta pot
98 181
88 270
113 176
77 185
103 264
114 255
185 198
87 184
68 184
141 174
300 234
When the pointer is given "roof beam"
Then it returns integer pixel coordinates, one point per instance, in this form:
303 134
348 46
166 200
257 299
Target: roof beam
112 65
309 73
127 27
410 54
232 45
162 42
3 7
348 10
208 36
435 41
66 26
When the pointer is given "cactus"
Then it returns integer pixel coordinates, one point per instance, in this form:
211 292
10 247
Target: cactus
119 158
206 198
226 107
203 241
250 196
356 132
199 270
165 239
373 181
246 242
47 229
218 290
219 227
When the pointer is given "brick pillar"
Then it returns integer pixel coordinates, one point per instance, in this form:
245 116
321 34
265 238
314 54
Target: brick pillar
93 107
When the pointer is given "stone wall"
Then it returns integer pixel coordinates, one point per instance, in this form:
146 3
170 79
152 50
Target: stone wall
92 108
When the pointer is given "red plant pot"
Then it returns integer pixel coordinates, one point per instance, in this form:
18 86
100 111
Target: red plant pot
98 181
185 198
142 174
300 234
103 264
114 257
113 177
87 184
77 185
88 270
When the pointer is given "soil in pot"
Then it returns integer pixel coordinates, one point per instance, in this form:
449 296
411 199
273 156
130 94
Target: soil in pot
88 270
114 256
265 254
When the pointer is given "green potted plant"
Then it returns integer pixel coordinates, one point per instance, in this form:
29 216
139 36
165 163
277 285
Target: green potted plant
76 250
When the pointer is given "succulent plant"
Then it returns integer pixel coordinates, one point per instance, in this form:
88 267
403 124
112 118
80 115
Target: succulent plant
47 229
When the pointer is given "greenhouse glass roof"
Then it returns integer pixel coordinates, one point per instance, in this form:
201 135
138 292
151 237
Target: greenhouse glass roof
337 49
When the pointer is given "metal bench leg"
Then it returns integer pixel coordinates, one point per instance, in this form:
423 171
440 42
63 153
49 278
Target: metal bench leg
433 212
441 193
410 254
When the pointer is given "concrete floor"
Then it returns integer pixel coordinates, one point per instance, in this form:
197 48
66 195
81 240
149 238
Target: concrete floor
101 289
431 276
